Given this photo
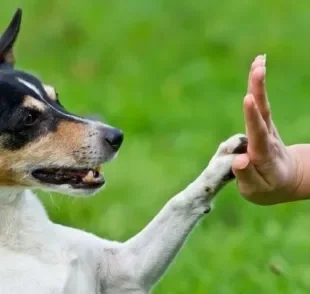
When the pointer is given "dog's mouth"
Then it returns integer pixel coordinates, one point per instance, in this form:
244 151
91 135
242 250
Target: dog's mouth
76 178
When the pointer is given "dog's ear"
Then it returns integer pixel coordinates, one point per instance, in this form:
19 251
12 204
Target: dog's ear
8 38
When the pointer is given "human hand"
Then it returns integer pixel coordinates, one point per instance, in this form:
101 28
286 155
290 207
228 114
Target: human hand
269 172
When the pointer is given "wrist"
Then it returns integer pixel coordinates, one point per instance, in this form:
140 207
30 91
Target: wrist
296 189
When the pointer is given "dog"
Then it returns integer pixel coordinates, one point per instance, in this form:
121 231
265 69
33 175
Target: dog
43 146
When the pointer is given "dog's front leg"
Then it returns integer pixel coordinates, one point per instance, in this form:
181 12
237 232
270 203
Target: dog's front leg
148 254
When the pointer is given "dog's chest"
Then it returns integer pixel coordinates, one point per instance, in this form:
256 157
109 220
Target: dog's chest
39 257
49 271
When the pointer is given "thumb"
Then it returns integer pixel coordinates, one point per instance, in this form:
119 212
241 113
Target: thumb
243 171
248 179
240 162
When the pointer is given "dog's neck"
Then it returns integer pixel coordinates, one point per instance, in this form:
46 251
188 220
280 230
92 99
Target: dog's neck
20 213
9 195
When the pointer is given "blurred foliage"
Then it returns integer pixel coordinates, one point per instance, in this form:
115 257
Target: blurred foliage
172 75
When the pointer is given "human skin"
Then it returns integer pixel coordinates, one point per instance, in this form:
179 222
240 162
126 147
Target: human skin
270 172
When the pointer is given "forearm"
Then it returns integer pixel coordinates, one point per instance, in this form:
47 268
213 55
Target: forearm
301 188
159 242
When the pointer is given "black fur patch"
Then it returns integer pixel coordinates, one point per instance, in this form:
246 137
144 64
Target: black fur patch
8 39
14 86
12 112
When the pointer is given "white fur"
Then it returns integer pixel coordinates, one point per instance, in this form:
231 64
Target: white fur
30 86
40 257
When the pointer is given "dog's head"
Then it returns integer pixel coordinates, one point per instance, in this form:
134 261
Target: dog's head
41 144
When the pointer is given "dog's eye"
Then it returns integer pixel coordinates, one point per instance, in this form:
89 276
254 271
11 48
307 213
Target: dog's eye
31 118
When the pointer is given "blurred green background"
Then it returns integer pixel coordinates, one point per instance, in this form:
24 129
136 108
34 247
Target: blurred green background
172 75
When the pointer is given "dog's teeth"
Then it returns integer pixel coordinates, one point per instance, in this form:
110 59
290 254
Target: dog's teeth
89 177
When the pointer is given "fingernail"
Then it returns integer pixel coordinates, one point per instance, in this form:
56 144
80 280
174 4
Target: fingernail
260 57
264 70
260 60
265 58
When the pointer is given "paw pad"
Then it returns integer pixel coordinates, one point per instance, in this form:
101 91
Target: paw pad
236 144
242 148
208 189
208 209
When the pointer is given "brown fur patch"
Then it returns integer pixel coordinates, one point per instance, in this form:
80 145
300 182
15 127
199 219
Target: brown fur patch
9 177
33 103
51 92
57 148
9 57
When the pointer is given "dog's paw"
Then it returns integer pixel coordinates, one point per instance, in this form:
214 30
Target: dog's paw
226 152
236 144
219 170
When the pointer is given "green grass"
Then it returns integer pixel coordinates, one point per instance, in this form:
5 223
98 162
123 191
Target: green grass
172 75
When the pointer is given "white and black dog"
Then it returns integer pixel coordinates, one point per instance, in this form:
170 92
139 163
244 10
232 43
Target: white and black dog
45 147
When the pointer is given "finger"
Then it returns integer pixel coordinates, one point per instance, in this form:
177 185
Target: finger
275 132
248 179
257 131
260 94
258 61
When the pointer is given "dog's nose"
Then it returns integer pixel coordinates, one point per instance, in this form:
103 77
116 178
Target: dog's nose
114 138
